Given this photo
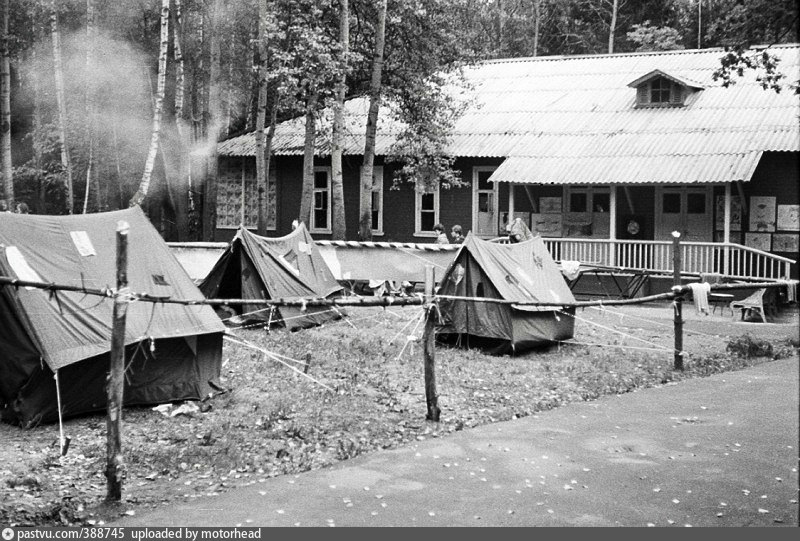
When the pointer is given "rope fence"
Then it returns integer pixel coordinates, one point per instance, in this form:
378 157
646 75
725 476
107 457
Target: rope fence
122 296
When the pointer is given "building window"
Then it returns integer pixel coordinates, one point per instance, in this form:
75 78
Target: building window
696 203
377 200
671 203
588 211
237 195
321 212
659 92
426 212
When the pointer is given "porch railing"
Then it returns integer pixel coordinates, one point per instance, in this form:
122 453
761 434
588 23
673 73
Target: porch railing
733 260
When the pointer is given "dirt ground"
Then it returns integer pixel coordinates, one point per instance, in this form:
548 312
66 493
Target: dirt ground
37 487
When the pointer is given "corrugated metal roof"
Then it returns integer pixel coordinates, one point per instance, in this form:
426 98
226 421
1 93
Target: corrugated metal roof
573 119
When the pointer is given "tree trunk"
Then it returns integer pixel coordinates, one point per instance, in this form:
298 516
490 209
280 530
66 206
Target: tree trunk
5 111
537 13
89 103
66 162
613 27
214 115
144 184
38 126
339 225
365 219
308 160
179 176
261 113
254 84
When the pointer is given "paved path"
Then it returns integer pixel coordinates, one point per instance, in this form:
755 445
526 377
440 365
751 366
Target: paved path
716 451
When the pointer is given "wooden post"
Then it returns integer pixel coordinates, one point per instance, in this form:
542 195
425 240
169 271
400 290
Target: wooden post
115 467
678 302
428 341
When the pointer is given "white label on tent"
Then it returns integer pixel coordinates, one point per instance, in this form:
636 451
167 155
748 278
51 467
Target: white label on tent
20 266
83 243
304 248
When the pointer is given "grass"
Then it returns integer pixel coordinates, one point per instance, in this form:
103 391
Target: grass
274 421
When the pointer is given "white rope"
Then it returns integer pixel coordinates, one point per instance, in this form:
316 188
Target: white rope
659 348
589 321
275 358
411 336
403 329
654 322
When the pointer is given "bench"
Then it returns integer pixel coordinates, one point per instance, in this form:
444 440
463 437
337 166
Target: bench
753 303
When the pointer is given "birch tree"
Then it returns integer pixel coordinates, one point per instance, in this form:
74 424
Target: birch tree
158 108
339 226
365 220
5 110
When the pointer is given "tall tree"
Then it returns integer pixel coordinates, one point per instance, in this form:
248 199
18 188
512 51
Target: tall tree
612 25
89 103
339 226
5 110
309 149
214 123
365 219
262 170
158 108
61 99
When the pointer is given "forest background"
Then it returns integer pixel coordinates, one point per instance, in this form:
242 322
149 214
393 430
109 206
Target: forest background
110 103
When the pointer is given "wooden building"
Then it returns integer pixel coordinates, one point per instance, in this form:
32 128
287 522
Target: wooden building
604 156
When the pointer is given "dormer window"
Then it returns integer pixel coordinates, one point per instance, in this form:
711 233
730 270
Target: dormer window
662 91
659 89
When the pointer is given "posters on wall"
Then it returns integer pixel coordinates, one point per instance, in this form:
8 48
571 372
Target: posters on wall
789 217
786 243
547 225
736 213
762 214
550 205
759 241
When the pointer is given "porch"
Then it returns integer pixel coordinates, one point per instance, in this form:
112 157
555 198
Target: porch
730 260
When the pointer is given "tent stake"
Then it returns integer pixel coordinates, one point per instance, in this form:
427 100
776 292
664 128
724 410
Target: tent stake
63 444
678 302
115 466
428 341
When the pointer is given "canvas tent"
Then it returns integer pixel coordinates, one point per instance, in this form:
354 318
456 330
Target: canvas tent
521 272
173 352
290 267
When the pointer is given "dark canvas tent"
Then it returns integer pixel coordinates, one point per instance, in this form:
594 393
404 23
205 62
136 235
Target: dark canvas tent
173 352
522 272
290 267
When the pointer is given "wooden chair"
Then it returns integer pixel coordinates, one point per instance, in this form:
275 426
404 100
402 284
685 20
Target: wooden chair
755 302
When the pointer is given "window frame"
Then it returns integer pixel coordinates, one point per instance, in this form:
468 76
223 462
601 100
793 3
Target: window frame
312 226
247 192
676 93
377 186
418 232
590 214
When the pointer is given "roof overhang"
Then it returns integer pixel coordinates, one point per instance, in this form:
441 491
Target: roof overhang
673 169
674 78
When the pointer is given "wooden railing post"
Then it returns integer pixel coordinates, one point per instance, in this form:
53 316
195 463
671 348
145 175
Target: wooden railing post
678 302
115 466
429 348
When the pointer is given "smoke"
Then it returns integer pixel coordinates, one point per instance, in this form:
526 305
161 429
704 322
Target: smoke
109 98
